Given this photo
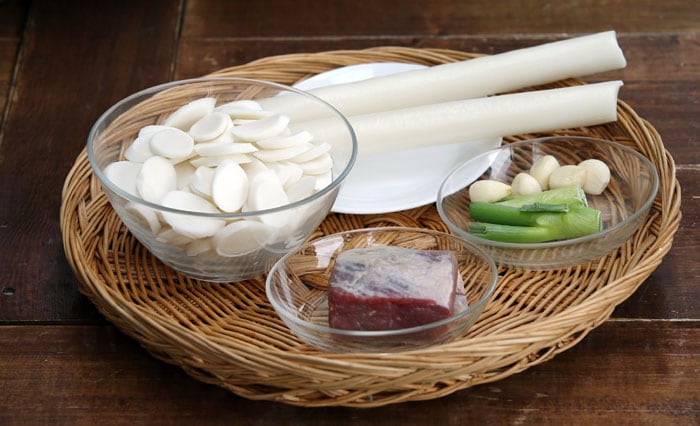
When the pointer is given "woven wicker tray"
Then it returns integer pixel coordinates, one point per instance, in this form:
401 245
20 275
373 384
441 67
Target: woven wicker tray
229 335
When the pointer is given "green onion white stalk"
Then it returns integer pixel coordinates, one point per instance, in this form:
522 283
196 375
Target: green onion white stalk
557 214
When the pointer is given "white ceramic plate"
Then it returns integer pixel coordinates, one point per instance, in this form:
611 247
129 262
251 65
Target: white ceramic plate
394 181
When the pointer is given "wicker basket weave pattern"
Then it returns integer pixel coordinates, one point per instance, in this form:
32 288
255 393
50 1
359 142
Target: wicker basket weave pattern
229 335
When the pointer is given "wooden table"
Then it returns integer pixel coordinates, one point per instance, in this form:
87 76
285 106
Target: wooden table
62 63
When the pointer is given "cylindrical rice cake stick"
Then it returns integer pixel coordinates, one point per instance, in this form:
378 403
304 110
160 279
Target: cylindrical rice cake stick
471 78
475 119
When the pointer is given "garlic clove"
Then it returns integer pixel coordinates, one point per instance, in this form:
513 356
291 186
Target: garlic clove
524 183
542 169
597 176
568 175
489 191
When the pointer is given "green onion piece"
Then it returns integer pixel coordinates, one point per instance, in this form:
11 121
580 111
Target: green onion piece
570 195
508 215
544 227
545 207
510 233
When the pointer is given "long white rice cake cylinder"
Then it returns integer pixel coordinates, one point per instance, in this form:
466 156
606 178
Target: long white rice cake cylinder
487 75
474 119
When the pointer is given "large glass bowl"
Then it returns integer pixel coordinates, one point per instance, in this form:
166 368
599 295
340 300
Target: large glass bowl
624 204
298 284
272 232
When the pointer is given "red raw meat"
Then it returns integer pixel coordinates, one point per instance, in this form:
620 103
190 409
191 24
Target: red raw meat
388 288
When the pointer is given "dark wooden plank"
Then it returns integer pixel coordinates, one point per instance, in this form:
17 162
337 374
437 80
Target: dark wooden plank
12 18
672 291
224 18
197 57
8 59
78 59
622 373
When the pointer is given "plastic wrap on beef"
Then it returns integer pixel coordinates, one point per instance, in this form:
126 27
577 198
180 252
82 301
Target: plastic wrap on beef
388 288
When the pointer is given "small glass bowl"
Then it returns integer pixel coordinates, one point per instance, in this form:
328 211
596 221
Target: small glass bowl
624 204
273 232
297 287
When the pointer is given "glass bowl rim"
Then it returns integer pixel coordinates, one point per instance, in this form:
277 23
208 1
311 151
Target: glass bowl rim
475 249
240 215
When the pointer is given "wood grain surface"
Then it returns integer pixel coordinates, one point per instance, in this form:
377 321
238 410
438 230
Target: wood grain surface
63 63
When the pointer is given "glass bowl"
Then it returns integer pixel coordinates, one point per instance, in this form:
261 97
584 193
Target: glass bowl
624 205
298 287
258 238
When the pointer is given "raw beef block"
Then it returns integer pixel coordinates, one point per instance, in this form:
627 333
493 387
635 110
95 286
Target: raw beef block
387 288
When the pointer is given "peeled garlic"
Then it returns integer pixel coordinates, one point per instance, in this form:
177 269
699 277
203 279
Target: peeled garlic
524 184
569 175
597 176
489 191
542 169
